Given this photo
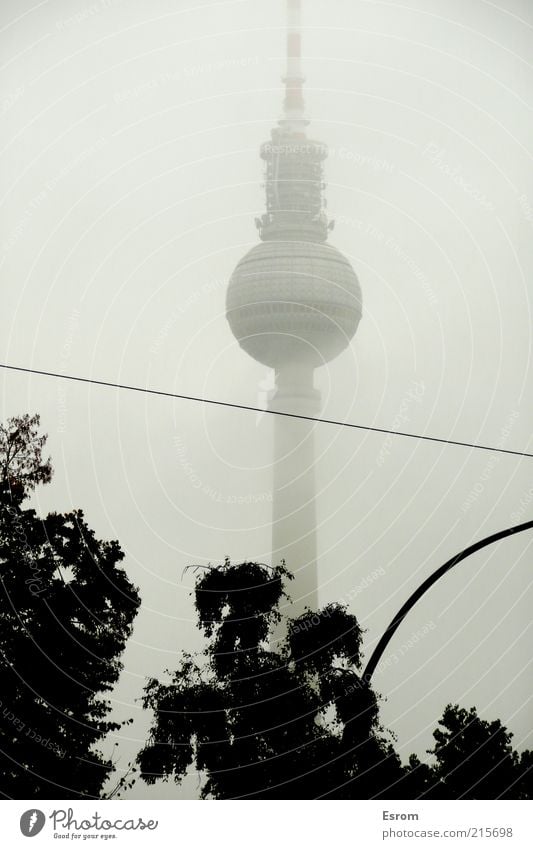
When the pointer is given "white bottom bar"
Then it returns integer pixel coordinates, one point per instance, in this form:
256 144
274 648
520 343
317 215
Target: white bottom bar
355 824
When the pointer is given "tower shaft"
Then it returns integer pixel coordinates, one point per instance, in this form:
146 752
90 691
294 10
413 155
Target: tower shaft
293 503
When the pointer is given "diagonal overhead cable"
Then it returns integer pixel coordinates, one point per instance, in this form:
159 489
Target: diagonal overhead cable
230 405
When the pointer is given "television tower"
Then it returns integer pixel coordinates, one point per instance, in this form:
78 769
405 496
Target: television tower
294 303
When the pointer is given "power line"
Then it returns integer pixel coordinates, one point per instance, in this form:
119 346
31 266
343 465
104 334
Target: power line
230 405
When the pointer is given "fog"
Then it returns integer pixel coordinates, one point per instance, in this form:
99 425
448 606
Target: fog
130 179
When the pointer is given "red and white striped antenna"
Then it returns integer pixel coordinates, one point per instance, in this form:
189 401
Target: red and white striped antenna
294 106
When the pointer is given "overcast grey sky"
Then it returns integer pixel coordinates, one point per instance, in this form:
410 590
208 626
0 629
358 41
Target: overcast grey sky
130 178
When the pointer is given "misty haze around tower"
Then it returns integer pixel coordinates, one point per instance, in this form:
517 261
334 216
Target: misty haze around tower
294 303
130 182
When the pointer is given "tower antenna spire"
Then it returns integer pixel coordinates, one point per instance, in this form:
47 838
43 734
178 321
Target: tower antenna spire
294 105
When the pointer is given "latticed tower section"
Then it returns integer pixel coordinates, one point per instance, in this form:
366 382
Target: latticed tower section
294 181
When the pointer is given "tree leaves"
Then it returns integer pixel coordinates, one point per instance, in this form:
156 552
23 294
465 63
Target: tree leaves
301 722
22 466
67 609
254 720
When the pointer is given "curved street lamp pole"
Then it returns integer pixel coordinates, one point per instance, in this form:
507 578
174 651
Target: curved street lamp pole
425 586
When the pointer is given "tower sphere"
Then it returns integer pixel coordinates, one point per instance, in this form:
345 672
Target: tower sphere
293 301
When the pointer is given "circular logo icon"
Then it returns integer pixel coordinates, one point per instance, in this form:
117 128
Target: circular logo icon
32 822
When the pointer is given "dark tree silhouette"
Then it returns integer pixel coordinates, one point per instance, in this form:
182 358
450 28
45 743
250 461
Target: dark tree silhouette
475 759
295 723
302 722
67 609
22 466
